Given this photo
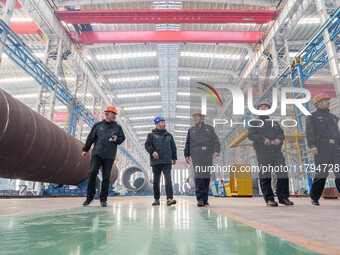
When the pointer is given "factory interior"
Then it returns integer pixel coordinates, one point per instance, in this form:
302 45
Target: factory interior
152 74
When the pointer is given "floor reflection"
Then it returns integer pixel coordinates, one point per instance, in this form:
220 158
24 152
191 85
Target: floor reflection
136 228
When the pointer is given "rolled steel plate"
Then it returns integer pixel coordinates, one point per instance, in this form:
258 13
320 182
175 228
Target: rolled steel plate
33 148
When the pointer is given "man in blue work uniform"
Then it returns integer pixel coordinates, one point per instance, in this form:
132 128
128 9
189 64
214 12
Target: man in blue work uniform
163 152
202 144
267 137
323 138
105 135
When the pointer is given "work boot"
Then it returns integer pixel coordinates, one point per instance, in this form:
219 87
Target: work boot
271 203
286 201
200 203
156 202
315 202
88 201
206 203
103 203
170 201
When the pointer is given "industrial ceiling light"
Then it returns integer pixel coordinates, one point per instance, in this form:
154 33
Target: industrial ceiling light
183 117
16 79
139 95
211 55
133 108
127 79
143 126
126 55
182 125
312 20
19 96
141 117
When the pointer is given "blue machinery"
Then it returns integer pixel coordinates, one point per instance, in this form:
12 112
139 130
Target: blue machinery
311 58
25 59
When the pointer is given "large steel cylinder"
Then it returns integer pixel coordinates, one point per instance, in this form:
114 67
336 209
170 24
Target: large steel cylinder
33 148
140 183
114 174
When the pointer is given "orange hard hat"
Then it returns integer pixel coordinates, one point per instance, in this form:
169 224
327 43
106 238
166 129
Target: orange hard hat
263 103
320 96
198 112
111 108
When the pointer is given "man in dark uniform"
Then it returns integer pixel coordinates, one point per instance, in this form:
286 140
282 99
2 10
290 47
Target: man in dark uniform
163 152
267 137
105 135
323 138
202 144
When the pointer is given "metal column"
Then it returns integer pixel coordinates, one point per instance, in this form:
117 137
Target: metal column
83 100
333 57
299 116
56 73
8 11
42 88
287 52
274 57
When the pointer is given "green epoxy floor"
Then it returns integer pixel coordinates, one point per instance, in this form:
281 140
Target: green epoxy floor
136 228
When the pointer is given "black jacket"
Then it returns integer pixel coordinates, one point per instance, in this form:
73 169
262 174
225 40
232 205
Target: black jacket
201 137
100 134
321 124
270 130
162 142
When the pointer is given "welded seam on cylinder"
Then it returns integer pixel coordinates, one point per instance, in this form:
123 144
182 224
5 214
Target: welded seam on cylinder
66 160
7 121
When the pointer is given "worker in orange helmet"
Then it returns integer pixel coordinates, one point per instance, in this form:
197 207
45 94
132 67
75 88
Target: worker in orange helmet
268 137
323 138
202 145
105 135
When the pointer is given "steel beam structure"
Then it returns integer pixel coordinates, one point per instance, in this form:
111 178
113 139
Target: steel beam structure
43 15
311 58
333 55
7 14
90 37
254 61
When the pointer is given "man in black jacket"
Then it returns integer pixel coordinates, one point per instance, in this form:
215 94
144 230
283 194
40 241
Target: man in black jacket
267 137
202 144
105 135
323 138
163 152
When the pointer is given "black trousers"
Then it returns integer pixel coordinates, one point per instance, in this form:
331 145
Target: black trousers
202 189
331 158
96 163
272 159
157 172
202 160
